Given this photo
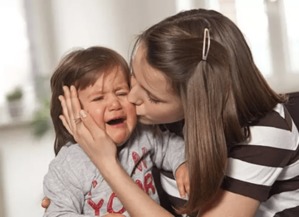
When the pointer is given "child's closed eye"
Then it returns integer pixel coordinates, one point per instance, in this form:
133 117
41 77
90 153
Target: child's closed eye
122 93
97 98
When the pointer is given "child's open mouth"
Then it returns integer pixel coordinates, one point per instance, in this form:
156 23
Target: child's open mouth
116 121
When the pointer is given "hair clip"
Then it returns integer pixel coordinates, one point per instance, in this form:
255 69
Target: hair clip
206 44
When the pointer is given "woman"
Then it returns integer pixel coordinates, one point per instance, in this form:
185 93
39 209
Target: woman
241 143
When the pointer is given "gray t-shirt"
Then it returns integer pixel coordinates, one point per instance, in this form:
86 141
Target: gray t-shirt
76 187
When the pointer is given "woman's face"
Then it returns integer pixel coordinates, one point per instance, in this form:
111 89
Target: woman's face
151 92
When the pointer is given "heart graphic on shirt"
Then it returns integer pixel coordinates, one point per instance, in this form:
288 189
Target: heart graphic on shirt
94 183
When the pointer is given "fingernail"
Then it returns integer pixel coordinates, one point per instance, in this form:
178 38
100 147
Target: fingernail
83 114
185 197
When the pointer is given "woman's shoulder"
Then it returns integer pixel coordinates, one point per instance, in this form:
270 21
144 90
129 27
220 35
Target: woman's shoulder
278 118
276 129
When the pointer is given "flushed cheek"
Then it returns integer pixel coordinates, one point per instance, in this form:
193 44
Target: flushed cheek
131 118
97 116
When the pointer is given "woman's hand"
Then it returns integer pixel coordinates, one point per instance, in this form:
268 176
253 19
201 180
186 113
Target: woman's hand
102 151
91 137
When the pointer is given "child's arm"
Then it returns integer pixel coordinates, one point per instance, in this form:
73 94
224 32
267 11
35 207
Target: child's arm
63 188
170 156
62 203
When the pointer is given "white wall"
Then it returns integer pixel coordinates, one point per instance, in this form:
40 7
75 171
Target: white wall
110 23
62 26
23 163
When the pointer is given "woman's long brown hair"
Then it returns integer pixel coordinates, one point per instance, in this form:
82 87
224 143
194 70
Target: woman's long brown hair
222 96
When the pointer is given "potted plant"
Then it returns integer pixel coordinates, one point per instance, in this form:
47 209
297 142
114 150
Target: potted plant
14 102
41 121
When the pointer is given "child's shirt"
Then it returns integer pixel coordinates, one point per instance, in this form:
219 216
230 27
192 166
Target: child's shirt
76 187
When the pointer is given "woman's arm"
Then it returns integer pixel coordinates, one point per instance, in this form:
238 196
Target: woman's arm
133 198
102 151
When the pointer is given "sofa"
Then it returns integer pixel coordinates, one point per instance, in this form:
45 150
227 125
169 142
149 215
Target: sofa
293 107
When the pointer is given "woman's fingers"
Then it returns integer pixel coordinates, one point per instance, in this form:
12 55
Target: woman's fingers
84 137
99 145
66 124
69 108
91 125
66 106
76 106
64 110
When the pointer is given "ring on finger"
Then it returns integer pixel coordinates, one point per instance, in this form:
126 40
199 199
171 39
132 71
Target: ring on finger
77 120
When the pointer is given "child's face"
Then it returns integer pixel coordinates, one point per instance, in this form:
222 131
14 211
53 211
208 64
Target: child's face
106 101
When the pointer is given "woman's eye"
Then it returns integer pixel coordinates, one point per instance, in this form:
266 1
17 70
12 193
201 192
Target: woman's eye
155 101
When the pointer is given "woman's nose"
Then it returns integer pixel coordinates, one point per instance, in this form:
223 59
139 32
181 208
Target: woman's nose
134 97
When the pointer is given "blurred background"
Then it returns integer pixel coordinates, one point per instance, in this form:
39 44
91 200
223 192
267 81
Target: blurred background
36 33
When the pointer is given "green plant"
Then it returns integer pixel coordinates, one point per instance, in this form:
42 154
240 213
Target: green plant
41 121
14 95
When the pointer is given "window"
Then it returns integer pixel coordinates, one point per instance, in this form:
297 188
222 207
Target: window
270 28
15 62
291 17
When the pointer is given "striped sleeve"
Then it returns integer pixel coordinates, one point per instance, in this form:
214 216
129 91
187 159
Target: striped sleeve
268 162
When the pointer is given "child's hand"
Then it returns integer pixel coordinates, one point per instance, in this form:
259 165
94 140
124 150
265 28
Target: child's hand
45 202
182 180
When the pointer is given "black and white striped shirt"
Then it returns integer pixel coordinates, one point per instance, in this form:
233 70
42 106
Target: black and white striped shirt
266 167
